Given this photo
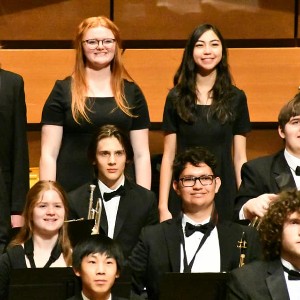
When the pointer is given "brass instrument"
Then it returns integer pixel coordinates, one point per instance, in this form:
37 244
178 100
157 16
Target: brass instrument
255 222
94 213
242 245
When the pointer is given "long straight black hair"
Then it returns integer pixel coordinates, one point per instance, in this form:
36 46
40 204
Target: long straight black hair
185 81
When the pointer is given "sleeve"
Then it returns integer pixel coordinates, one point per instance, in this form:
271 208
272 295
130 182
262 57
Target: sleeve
170 115
140 110
20 162
54 110
138 262
242 123
252 185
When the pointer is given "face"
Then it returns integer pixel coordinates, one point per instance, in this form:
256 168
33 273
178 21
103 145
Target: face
110 161
98 273
207 52
48 214
291 134
103 54
198 197
290 246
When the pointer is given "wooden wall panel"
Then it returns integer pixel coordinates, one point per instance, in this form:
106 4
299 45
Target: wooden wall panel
269 76
46 20
175 19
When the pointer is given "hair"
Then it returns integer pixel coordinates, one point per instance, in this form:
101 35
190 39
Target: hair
194 156
98 243
185 82
79 83
271 226
289 110
34 196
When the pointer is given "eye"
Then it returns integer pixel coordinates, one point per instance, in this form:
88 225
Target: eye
92 42
91 261
199 45
108 41
104 153
119 153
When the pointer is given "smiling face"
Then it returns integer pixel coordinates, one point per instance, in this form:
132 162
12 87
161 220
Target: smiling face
103 55
207 52
98 273
48 214
290 246
110 161
198 198
291 134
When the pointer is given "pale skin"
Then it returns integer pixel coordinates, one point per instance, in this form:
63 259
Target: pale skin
207 54
98 76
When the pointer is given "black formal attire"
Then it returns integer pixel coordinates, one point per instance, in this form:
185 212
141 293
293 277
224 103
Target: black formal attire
137 208
158 252
268 174
79 297
216 137
73 168
14 161
259 280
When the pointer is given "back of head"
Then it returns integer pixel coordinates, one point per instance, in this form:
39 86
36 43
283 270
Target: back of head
194 156
271 226
289 110
98 243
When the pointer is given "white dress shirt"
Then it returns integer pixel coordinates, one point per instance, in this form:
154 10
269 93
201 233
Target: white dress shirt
293 286
111 206
208 258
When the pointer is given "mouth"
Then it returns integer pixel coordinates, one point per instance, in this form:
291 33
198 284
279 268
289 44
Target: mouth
100 281
50 220
112 170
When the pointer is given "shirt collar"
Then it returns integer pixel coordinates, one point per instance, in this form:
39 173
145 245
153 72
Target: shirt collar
292 160
105 189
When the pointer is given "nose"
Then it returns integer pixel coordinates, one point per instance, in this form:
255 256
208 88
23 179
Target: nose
112 160
50 210
100 268
207 49
100 45
198 185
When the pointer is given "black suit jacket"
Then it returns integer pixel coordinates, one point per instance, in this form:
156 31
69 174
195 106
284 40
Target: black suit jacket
269 174
158 252
259 280
14 162
79 297
137 208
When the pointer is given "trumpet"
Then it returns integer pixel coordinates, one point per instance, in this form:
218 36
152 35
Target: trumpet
242 245
94 213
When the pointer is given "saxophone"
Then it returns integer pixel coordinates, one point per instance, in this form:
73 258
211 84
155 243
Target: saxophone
242 245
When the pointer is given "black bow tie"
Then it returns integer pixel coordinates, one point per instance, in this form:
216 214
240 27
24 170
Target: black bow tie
119 192
293 275
190 229
297 171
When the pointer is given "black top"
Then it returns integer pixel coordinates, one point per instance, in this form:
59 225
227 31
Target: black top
216 137
73 168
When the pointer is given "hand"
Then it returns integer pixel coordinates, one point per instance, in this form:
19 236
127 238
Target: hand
17 220
164 215
258 206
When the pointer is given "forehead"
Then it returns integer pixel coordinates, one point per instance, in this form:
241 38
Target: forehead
200 169
208 35
109 143
50 196
98 32
294 215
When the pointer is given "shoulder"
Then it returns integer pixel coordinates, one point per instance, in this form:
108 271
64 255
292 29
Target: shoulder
262 162
85 188
10 77
132 187
64 83
254 268
236 228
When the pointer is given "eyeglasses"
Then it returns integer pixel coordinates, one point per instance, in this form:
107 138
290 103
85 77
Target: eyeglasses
92 44
191 180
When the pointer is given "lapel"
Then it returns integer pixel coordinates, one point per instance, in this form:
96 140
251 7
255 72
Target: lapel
282 173
172 233
124 207
228 240
276 281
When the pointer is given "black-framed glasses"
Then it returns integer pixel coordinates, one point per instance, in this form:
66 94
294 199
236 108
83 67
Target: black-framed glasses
190 181
92 44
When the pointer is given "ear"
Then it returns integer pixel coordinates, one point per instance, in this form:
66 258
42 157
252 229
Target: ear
176 187
118 274
281 132
77 273
218 184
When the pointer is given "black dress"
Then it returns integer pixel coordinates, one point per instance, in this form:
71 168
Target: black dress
73 168
214 136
